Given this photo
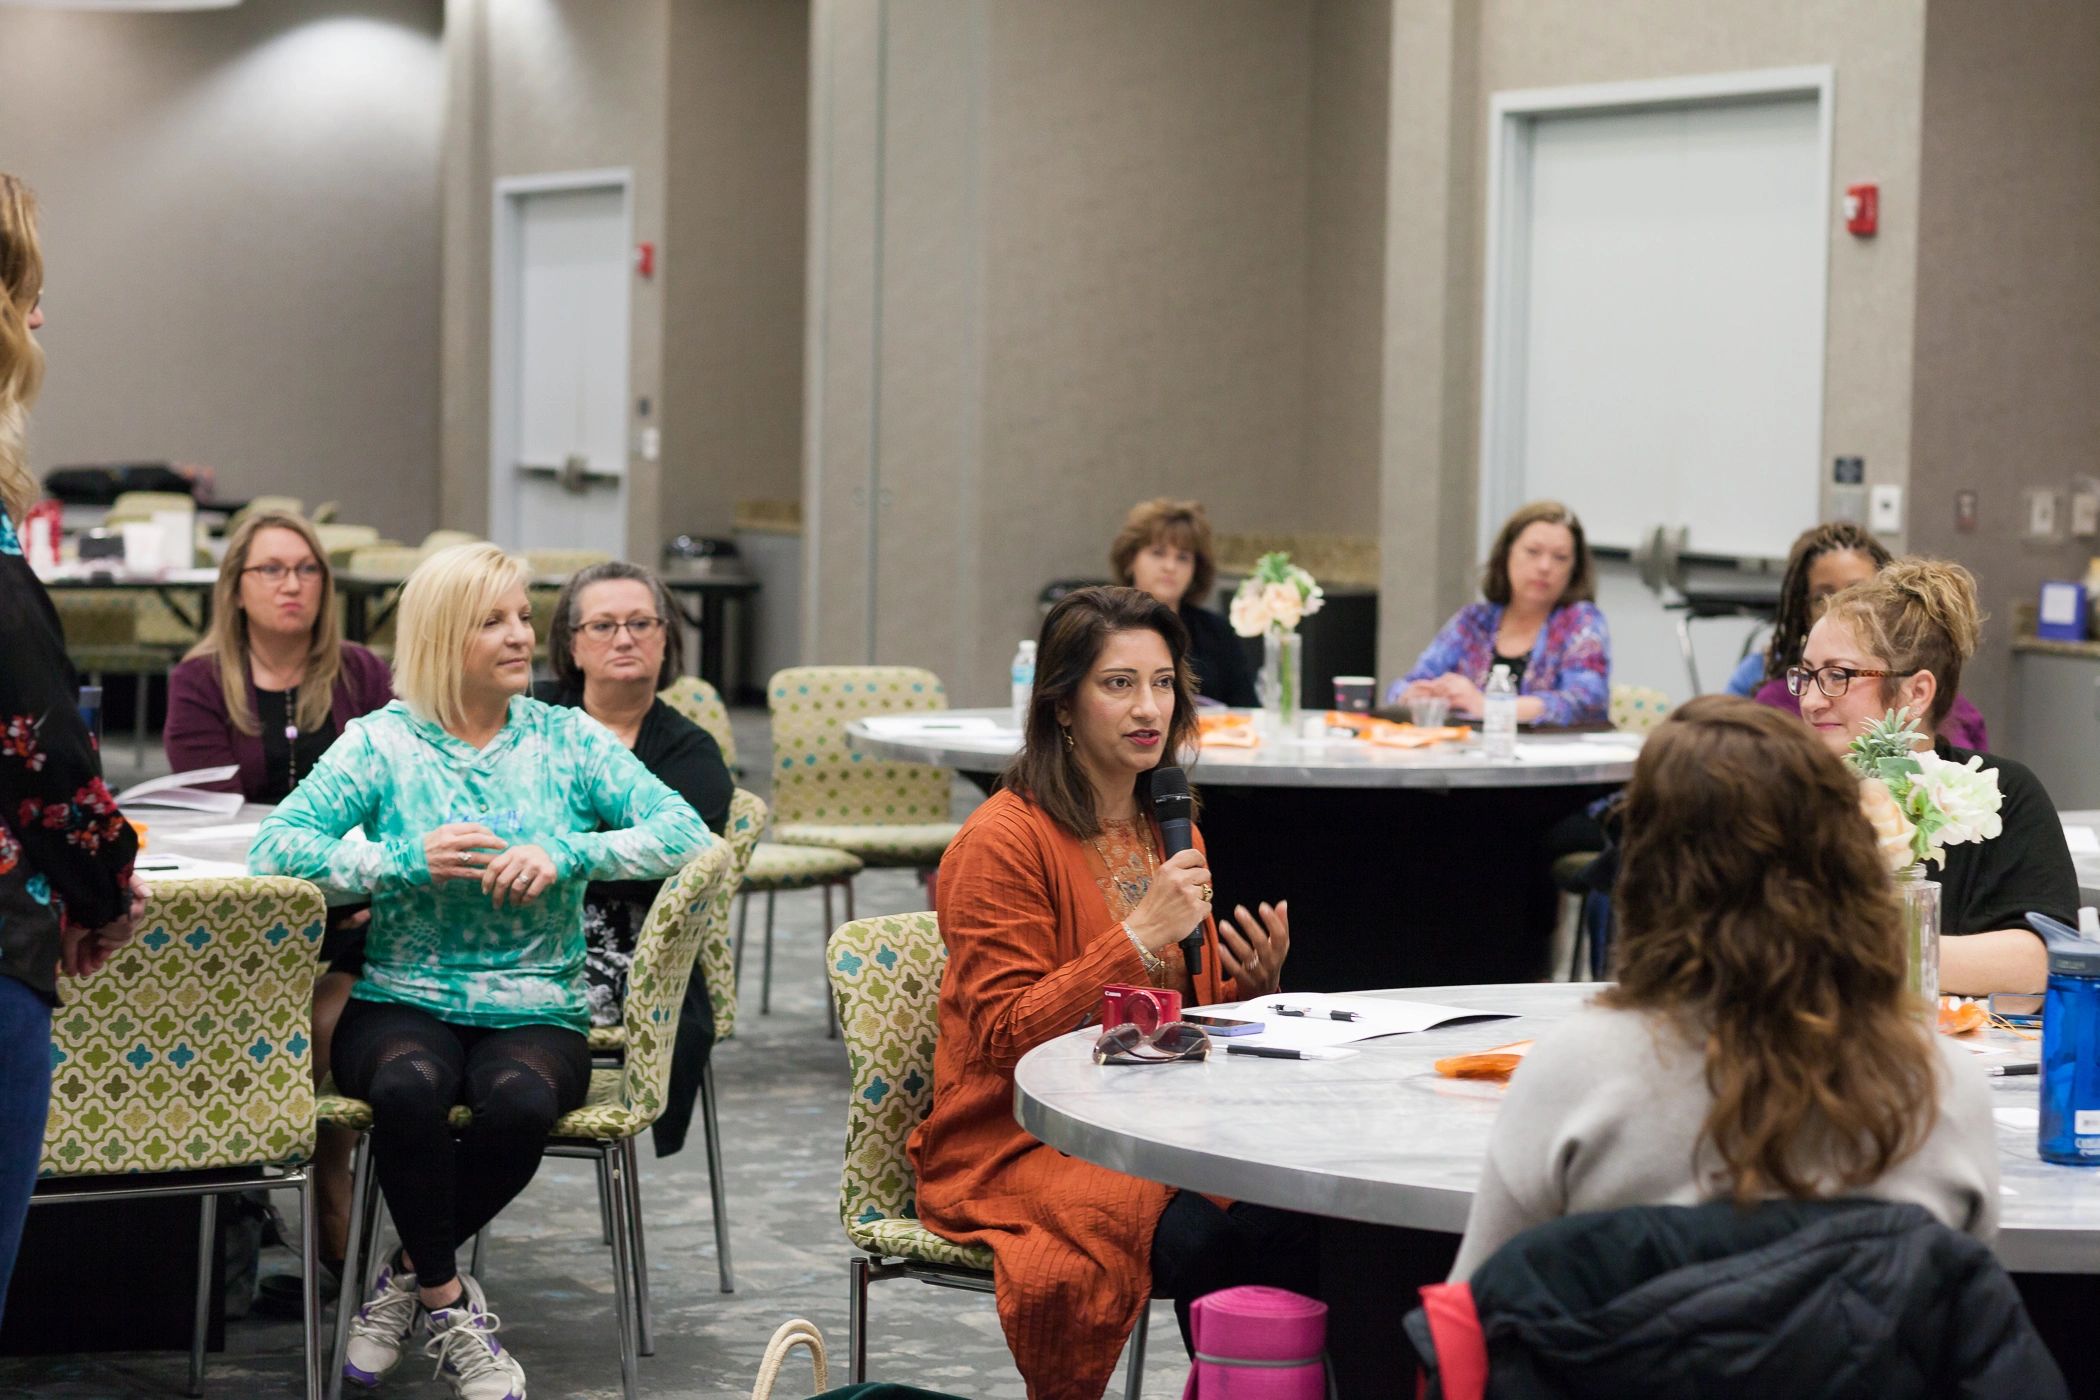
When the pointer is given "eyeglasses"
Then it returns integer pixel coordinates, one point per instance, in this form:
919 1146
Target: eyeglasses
1128 1044
274 573
1833 681
640 628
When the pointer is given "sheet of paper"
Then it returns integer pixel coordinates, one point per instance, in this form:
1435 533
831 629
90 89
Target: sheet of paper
1621 752
2082 840
935 724
229 831
181 790
2019 1118
161 866
1373 1016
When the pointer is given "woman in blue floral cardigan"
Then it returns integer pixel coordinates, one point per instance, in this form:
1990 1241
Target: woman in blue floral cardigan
1538 620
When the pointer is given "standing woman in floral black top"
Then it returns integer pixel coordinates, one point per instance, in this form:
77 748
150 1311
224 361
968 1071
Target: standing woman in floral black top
66 888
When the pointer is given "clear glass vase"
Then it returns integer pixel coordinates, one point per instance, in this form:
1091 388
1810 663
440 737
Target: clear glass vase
1920 898
1282 682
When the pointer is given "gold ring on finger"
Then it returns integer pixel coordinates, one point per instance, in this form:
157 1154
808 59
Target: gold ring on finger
1203 893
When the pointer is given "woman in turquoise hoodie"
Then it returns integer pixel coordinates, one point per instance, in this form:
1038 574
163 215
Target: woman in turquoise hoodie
485 814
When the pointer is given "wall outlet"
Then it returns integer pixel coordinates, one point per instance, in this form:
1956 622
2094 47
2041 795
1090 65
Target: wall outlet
2085 514
2041 515
1885 510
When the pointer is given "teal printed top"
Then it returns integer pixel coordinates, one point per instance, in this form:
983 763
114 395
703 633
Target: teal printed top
553 778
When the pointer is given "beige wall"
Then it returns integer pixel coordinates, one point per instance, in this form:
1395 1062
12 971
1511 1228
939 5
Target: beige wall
1472 49
734 258
1124 251
2006 389
241 219
540 87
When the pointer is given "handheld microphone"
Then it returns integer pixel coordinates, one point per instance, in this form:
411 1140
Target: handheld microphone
1173 806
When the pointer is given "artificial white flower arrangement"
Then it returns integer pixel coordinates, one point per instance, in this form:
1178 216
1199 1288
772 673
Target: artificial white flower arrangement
1277 596
1919 803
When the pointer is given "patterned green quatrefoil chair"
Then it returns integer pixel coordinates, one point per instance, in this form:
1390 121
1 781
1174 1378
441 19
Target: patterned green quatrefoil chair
886 975
717 963
621 1104
189 1052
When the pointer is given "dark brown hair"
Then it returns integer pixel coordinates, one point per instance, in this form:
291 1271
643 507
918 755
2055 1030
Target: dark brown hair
561 629
1796 614
1181 524
1582 579
1918 615
1045 771
1756 914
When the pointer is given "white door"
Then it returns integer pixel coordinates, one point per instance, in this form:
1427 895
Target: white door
558 471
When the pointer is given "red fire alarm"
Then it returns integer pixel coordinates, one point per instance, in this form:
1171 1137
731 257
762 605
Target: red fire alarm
645 259
1862 209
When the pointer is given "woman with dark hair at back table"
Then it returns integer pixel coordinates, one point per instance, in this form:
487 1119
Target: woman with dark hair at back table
1164 549
614 644
67 894
1823 562
1536 618
1056 887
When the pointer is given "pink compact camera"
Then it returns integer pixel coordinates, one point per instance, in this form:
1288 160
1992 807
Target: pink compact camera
1147 1008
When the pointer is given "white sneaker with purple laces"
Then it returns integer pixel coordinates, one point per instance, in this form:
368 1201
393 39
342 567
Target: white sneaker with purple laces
469 1358
381 1328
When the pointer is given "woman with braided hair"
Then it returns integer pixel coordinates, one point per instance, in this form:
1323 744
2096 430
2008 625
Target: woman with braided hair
1825 561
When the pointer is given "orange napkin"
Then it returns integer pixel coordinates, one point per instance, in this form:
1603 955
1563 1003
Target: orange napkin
1398 736
1958 1017
1227 731
1497 1064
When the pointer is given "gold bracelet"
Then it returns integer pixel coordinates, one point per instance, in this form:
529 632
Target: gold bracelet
1154 964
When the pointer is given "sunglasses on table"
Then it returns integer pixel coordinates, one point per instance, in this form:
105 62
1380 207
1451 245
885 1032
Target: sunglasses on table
1833 681
1128 1044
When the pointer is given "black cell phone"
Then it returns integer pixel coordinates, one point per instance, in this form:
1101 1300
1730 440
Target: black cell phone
1223 1025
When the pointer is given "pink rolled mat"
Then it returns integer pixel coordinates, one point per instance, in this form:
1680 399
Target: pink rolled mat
1258 1344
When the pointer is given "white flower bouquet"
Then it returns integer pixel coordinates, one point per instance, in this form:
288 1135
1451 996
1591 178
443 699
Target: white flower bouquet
1277 596
1918 802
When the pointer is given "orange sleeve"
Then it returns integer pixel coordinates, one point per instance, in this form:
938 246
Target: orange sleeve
1001 928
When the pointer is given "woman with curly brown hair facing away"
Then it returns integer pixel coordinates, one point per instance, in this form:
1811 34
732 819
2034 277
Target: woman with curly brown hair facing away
1760 1042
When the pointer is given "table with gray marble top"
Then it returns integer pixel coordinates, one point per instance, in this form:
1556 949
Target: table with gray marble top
172 831
1544 760
1381 1137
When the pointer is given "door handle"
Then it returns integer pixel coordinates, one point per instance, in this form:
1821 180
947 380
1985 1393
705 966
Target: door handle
574 474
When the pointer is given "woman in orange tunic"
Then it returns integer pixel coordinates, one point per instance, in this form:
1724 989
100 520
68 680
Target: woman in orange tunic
1053 890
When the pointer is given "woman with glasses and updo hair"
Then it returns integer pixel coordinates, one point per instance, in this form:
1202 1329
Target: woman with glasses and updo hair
272 683
1759 1042
614 644
1055 888
1824 562
1899 640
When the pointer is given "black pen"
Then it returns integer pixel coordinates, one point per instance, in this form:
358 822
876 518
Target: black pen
1277 1052
2026 1067
1280 1009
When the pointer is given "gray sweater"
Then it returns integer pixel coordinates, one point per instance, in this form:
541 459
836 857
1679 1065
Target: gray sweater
1605 1112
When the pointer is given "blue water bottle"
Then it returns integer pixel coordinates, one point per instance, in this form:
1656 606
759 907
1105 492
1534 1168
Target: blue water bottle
2070 1128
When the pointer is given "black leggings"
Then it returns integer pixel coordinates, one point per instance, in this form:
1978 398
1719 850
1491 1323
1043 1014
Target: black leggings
412 1068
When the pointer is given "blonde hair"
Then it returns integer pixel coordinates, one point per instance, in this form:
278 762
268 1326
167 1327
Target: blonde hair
442 604
21 358
1918 615
227 641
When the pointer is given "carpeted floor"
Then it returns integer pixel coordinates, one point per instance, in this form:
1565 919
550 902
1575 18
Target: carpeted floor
549 1275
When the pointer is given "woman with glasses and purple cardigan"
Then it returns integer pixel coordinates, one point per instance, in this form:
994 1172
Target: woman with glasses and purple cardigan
273 682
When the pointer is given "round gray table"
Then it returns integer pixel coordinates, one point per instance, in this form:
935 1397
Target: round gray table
1381 1137
1402 866
957 739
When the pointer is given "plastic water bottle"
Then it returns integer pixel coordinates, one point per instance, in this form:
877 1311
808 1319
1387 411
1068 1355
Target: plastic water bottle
1024 682
2070 1127
1498 719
